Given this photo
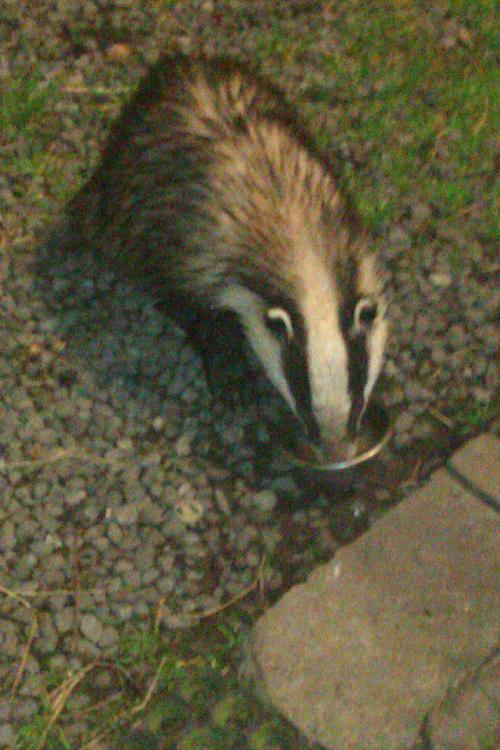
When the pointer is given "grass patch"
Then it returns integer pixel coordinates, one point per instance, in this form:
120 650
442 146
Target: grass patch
419 88
476 418
28 127
24 104
173 690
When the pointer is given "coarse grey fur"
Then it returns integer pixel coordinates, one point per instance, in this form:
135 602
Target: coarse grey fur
210 190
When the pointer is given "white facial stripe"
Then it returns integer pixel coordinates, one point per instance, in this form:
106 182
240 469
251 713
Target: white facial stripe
277 313
329 380
328 374
251 311
375 347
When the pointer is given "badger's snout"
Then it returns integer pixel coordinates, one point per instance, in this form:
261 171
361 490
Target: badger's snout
340 450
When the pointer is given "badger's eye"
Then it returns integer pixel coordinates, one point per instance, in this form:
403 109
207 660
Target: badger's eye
279 322
365 313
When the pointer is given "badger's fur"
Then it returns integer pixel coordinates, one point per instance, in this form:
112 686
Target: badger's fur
210 189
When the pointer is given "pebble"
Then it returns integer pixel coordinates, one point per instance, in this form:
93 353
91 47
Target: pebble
115 533
158 424
92 628
190 511
118 52
404 422
222 501
65 620
441 280
7 736
127 515
183 446
265 500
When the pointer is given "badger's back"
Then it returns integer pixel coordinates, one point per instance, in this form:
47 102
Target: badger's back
208 174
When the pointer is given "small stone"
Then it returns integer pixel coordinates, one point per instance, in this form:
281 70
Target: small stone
158 424
183 445
190 511
115 533
404 422
7 736
126 515
265 500
124 611
222 501
439 355
118 52
125 445
92 628
109 636
150 575
75 498
153 513
440 279
64 620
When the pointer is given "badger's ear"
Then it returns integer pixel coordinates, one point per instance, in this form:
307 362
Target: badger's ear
279 322
365 314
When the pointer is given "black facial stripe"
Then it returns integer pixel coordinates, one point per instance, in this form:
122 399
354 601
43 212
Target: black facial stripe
358 375
294 352
271 295
297 376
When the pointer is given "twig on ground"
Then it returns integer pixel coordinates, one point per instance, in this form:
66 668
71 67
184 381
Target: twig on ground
128 712
441 417
482 120
60 699
18 596
62 455
152 687
258 582
24 658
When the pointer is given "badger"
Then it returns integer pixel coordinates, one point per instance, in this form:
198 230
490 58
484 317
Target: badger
210 190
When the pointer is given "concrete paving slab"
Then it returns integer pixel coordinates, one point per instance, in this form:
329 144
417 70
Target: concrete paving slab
478 461
468 719
359 655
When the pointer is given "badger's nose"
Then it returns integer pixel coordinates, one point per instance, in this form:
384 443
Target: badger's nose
339 449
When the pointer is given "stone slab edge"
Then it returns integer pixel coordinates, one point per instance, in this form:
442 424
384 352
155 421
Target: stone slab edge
477 466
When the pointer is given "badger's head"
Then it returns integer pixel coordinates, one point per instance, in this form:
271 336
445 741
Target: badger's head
321 343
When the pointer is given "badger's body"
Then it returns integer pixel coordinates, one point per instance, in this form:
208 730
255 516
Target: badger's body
209 189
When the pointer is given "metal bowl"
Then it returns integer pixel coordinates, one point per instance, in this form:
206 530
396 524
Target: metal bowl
376 432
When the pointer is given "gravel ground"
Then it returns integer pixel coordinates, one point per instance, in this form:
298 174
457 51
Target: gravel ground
127 492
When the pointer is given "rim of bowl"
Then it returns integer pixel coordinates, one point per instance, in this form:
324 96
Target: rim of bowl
349 462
